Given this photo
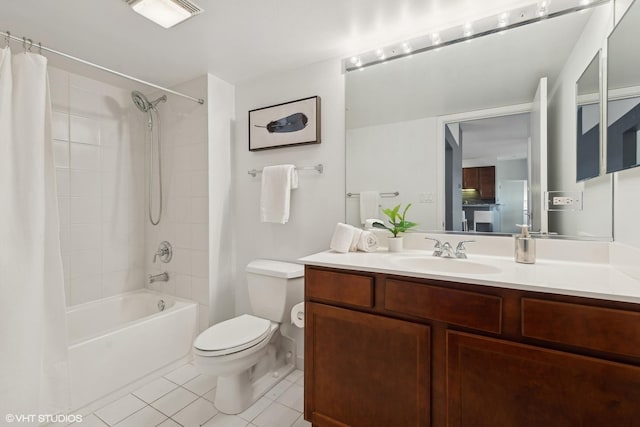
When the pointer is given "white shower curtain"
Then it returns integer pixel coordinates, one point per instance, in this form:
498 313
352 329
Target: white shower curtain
33 337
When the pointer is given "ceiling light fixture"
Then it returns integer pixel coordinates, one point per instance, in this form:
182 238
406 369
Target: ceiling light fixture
166 13
435 39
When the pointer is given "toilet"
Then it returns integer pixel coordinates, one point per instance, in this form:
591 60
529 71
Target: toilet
252 353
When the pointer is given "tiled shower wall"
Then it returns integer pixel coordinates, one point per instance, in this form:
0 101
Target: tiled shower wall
99 155
185 216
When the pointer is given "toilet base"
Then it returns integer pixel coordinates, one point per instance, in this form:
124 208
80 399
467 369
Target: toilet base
235 393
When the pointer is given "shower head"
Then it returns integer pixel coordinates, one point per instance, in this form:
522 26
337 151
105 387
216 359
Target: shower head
143 103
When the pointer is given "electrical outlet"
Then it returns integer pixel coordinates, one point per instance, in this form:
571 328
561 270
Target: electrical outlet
426 198
562 201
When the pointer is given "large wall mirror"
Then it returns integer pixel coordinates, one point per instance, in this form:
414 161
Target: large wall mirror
461 132
623 106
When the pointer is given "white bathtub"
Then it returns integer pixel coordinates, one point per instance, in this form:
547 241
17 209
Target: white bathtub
118 340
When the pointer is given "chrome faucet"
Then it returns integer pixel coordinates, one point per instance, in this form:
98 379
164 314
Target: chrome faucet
460 249
164 252
445 250
162 277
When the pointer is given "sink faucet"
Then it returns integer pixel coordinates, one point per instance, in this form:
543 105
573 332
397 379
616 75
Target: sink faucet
460 249
445 250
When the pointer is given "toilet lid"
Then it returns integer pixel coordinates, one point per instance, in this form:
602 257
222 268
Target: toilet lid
233 335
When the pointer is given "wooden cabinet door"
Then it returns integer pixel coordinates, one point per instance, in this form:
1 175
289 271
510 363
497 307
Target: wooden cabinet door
364 370
495 383
470 178
487 182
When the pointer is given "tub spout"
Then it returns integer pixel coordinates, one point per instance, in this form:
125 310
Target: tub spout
162 277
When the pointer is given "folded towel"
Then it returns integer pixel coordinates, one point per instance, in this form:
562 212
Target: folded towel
342 238
275 197
368 242
369 205
356 238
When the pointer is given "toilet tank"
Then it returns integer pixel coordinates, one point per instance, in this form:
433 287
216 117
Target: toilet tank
274 287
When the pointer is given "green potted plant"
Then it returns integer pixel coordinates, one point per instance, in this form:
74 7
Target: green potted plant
399 224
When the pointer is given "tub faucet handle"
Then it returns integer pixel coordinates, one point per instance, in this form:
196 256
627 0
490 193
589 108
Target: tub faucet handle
164 252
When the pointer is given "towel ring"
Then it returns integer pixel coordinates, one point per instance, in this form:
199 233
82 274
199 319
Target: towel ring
7 38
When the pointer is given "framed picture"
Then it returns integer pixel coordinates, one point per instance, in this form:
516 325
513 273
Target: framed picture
284 125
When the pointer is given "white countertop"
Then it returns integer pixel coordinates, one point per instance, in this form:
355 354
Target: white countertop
591 280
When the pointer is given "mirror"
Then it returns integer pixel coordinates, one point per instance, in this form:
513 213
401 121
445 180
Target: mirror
623 99
411 126
588 122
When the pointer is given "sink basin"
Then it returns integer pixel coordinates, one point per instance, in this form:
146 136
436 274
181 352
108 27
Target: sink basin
446 265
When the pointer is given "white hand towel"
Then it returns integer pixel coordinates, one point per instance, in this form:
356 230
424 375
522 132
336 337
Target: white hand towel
275 197
356 238
368 242
342 238
369 205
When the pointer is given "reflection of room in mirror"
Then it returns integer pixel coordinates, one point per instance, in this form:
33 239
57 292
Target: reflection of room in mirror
490 155
623 109
396 115
588 122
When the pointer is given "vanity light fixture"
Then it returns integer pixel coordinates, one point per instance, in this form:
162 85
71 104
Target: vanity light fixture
537 10
166 13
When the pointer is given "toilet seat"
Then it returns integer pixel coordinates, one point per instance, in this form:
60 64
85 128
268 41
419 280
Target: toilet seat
232 336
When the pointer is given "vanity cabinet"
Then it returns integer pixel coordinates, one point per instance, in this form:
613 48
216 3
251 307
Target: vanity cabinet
386 350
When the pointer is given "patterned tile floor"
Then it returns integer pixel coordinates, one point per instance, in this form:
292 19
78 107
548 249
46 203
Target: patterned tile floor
184 398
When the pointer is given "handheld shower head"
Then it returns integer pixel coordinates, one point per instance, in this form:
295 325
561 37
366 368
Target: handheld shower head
143 104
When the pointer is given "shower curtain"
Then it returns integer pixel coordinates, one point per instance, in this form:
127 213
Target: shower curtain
33 337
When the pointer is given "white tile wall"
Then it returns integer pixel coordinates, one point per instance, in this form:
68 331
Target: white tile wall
99 189
185 214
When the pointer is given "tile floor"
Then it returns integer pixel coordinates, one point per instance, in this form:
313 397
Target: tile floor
184 398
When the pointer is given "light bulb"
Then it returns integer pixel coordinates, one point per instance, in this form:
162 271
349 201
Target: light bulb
406 48
467 29
435 39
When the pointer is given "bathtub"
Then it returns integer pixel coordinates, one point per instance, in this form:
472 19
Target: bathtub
118 340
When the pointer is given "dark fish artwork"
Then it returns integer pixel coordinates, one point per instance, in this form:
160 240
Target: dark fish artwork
292 123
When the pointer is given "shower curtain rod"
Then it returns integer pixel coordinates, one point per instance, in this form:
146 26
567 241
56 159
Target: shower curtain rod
8 35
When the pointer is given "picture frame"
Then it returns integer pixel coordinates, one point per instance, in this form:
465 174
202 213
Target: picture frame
285 125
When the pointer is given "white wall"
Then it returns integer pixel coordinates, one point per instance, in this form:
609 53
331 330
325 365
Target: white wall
319 202
221 107
185 216
596 217
394 157
99 167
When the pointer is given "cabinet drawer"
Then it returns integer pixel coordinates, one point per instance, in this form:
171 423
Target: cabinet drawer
468 309
344 288
595 328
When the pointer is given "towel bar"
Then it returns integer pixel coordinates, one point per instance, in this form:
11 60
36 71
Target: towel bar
318 168
394 194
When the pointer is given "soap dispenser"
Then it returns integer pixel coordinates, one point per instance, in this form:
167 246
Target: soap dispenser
525 247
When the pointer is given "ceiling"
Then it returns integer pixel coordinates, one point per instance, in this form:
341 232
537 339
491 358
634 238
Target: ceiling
234 40
496 138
